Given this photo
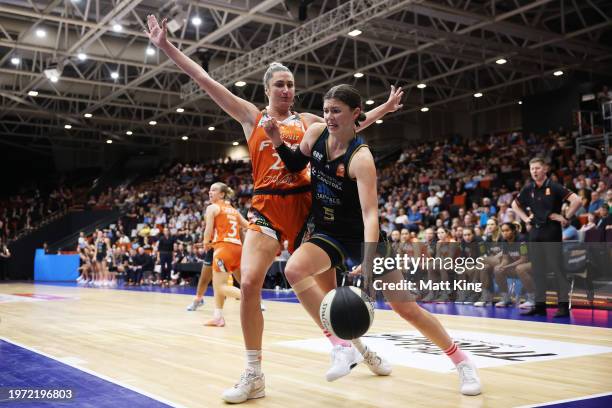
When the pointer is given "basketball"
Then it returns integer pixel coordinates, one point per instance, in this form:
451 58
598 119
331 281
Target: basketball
346 312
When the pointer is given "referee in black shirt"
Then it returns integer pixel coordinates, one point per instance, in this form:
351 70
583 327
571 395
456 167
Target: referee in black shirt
543 199
165 248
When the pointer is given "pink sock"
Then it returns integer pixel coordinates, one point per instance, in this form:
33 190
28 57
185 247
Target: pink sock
335 340
455 354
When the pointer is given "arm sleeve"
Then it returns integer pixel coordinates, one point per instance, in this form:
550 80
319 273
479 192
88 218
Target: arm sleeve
294 160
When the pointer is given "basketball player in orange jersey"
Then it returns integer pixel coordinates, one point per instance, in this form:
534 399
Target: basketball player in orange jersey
281 201
225 222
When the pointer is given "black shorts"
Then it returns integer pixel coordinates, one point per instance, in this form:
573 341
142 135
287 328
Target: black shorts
100 257
341 251
208 257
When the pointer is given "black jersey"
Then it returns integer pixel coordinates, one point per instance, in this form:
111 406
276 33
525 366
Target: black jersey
514 250
335 199
101 248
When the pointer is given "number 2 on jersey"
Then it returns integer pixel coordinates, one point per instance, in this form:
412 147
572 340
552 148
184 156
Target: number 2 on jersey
278 165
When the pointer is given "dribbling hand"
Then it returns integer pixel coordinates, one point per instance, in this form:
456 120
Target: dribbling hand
157 34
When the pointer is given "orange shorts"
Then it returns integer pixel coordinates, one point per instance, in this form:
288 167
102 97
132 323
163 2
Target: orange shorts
282 217
226 257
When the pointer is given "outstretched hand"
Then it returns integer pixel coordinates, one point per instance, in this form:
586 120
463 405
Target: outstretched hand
395 97
157 34
270 125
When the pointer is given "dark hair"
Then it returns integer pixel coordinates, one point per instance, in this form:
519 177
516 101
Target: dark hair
510 225
348 95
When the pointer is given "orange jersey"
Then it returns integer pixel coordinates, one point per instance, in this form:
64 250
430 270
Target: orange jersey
269 171
227 225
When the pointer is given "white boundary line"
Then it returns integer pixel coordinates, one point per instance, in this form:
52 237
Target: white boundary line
95 374
603 394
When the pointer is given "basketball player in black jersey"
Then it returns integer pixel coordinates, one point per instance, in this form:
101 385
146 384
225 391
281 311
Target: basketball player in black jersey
101 247
345 210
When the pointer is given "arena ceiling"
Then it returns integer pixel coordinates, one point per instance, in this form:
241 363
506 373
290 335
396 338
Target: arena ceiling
454 47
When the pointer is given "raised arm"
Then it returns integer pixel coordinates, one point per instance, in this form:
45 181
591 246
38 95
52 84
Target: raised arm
239 109
391 105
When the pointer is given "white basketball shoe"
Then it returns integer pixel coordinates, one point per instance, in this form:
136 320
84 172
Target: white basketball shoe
344 359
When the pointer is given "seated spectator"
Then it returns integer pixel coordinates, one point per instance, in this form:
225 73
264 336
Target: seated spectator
596 202
514 264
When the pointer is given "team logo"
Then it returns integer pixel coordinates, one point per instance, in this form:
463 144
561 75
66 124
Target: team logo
340 170
317 155
411 349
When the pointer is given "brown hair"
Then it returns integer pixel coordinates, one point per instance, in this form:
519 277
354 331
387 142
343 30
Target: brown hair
272 68
349 96
538 159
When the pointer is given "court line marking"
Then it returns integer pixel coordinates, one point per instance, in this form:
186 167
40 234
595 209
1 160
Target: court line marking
95 374
592 396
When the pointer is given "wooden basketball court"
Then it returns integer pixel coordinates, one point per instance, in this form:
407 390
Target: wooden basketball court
148 342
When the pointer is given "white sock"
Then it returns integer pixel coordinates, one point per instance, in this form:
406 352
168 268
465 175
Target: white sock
362 348
254 360
217 313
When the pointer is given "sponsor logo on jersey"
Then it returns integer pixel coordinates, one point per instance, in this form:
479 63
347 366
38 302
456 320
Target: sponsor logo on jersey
340 170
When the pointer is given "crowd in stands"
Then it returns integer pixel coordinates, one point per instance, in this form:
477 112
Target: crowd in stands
22 213
175 200
448 191
460 192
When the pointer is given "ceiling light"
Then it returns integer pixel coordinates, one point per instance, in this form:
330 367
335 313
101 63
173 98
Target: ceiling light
185 137
54 79
354 33
52 73
501 61
235 144
196 21
152 122
88 115
211 128
379 121
150 51
520 102
129 133
477 94
358 74
558 73
180 110
82 56
114 75
117 28
424 109
67 126
40 33
33 93
422 85
15 61
369 102
109 141
240 83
